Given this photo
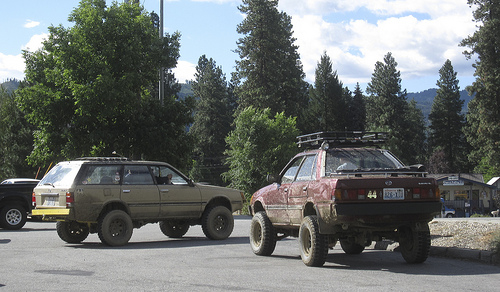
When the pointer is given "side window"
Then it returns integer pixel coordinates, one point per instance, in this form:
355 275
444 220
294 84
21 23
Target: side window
307 170
290 173
167 176
101 175
137 175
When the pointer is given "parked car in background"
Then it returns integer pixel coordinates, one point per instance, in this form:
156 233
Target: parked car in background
446 211
111 196
20 181
344 189
15 202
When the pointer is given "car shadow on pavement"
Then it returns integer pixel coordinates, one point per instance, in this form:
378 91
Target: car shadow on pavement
167 243
24 230
393 262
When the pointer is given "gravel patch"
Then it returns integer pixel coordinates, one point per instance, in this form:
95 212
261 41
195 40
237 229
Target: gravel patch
470 234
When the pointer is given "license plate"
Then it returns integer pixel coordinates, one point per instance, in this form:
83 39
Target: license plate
50 201
394 194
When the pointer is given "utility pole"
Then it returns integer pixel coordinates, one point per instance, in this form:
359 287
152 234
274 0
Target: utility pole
161 89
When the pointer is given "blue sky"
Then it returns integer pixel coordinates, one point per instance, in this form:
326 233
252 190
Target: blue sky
356 34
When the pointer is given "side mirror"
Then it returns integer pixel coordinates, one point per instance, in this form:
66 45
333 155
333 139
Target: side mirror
272 178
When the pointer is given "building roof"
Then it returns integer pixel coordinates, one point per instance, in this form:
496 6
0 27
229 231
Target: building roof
494 180
475 178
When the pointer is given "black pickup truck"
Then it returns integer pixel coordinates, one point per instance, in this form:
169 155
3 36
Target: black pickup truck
15 202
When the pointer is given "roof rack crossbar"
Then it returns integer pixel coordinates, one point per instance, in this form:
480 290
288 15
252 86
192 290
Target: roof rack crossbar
342 138
104 158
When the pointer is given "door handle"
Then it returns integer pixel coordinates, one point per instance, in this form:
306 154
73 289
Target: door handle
304 189
126 191
164 191
285 190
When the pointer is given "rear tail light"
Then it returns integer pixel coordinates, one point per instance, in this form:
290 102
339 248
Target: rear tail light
420 193
349 195
69 199
417 193
376 194
33 200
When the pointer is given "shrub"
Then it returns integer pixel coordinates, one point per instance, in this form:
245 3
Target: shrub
495 242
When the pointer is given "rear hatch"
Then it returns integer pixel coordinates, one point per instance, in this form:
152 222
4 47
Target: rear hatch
387 198
50 196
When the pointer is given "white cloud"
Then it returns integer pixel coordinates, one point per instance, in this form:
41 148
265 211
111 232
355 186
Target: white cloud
421 35
184 71
31 24
35 42
11 67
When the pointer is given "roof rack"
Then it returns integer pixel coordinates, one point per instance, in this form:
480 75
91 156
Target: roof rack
344 139
104 158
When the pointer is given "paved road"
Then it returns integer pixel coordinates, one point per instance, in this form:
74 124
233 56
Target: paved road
35 259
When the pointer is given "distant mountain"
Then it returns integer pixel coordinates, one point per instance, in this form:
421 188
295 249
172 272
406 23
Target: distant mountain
186 90
425 99
10 85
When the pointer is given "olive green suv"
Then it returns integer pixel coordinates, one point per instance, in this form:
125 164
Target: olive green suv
111 196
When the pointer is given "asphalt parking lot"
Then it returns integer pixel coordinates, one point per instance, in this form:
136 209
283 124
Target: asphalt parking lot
35 259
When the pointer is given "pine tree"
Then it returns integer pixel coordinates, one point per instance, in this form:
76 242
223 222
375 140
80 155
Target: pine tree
327 109
388 110
446 119
212 119
357 110
269 73
483 117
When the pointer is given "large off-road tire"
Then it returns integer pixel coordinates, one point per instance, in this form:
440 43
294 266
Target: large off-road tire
313 245
13 216
115 228
71 231
351 247
262 235
217 223
415 242
174 229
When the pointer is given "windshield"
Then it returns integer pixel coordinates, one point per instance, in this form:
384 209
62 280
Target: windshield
362 159
62 175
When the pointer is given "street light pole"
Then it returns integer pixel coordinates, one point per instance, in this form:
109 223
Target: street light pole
161 89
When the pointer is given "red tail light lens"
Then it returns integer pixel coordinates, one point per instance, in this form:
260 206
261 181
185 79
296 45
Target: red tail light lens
349 195
69 199
33 200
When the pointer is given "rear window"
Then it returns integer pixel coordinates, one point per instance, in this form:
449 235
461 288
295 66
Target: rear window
62 175
360 159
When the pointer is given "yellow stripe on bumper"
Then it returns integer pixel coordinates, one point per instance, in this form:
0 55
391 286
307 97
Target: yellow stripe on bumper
48 212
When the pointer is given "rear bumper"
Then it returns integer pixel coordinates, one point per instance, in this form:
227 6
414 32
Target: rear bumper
382 209
50 214
377 216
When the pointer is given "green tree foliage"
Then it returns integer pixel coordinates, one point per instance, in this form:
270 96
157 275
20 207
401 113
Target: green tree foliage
483 118
16 136
328 105
89 88
447 121
269 73
212 120
259 145
389 111
357 110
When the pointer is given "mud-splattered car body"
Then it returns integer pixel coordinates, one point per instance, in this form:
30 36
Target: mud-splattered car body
347 193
